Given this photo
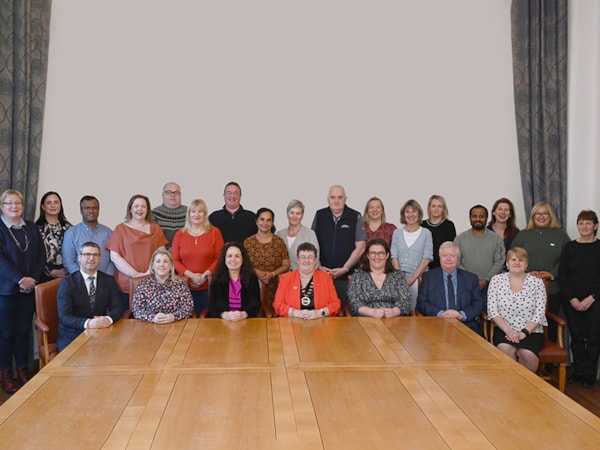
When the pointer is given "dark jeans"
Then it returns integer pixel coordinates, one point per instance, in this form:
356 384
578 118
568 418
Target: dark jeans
200 301
124 301
16 316
585 337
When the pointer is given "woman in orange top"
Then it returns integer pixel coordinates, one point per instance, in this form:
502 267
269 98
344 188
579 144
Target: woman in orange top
132 244
306 293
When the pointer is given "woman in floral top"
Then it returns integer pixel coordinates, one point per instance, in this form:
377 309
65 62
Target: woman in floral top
162 297
52 224
517 306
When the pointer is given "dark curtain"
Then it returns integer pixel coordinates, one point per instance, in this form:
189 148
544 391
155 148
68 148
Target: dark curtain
24 36
539 45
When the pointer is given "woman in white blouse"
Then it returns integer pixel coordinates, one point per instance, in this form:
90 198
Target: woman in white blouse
517 307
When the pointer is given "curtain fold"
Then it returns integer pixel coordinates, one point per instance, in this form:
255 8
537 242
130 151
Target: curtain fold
24 39
539 45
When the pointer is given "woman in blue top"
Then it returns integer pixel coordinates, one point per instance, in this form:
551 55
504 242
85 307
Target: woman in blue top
412 247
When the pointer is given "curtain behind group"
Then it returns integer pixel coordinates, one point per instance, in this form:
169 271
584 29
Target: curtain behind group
539 43
24 36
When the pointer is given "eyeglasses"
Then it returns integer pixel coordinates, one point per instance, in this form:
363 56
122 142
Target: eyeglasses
306 257
232 193
377 254
172 192
541 214
90 255
12 203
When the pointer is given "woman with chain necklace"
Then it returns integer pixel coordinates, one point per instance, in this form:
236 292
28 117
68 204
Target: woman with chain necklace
22 258
306 293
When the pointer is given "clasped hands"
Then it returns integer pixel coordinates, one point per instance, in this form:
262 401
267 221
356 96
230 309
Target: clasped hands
452 314
307 313
163 318
514 336
582 305
99 322
264 277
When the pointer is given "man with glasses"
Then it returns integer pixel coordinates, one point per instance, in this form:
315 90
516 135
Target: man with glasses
87 298
89 230
171 214
233 221
450 292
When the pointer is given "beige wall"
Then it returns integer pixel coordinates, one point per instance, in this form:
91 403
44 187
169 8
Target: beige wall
399 99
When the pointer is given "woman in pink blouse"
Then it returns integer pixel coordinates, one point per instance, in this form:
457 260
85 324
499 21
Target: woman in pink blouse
196 248
162 297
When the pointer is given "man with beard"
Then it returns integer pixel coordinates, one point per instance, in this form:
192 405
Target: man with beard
482 251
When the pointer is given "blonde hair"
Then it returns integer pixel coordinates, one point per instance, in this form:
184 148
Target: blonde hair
162 251
553 220
519 253
201 205
366 212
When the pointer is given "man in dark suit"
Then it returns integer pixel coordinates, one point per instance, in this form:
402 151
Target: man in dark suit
451 292
87 298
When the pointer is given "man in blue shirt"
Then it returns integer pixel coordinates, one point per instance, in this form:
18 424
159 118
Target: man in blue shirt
89 230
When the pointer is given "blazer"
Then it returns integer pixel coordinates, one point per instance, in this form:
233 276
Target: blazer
218 298
288 293
74 307
432 296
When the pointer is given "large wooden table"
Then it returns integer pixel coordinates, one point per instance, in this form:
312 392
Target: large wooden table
335 383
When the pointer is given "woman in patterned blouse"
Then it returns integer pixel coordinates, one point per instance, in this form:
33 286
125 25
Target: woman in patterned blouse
162 297
517 306
268 254
378 290
52 224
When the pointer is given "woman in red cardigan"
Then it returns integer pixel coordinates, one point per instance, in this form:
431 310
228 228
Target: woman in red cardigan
306 293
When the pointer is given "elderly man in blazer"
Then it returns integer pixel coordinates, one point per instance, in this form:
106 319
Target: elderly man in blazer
451 292
87 298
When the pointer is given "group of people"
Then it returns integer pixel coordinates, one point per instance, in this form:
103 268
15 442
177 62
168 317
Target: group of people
175 261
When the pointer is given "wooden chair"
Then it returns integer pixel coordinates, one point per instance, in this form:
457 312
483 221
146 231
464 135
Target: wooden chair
552 352
46 321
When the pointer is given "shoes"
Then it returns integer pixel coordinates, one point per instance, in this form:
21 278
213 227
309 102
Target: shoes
589 381
9 384
576 377
23 375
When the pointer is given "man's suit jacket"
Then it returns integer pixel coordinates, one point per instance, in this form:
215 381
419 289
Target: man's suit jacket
74 306
432 296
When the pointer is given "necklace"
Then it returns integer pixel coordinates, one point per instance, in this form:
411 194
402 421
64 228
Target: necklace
307 294
23 250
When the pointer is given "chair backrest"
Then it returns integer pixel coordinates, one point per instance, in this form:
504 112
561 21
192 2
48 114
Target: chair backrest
133 282
46 310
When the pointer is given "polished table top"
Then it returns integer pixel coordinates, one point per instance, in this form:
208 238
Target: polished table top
409 382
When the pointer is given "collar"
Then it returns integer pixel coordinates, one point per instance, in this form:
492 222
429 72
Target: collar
10 225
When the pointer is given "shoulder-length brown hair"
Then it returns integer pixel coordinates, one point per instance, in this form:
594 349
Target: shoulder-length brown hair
366 264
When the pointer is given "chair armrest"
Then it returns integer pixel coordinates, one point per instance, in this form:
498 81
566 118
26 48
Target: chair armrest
555 318
40 325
